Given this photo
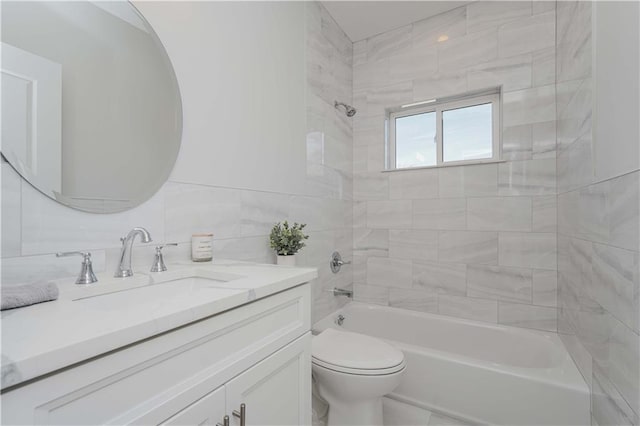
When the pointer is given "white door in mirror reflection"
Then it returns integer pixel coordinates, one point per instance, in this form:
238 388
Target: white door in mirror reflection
31 116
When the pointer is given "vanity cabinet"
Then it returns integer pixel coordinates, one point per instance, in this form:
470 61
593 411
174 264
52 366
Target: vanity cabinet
257 354
276 391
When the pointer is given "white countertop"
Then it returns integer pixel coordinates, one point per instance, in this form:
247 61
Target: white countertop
87 321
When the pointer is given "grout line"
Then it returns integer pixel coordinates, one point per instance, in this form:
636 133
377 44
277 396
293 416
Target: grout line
597 242
597 182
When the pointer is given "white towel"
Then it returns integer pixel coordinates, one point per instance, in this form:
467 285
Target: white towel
16 296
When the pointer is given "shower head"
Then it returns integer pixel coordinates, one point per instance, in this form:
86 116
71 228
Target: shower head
348 109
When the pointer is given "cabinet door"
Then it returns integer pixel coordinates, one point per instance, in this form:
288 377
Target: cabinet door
209 410
277 390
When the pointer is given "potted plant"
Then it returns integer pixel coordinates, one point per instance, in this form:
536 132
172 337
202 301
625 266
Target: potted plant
287 241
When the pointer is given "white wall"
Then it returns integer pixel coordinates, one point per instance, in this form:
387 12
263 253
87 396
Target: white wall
243 85
244 162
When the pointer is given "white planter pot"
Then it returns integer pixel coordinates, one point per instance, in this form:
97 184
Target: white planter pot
289 260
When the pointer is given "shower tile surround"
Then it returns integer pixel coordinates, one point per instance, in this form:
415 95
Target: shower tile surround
598 228
475 241
34 227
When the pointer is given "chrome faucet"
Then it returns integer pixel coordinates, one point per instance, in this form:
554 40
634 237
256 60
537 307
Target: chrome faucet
124 267
86 273
158 261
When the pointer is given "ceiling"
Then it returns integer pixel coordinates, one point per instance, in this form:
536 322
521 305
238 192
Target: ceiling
363 19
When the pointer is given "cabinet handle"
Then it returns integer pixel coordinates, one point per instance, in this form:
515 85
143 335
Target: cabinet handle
242 414
225 421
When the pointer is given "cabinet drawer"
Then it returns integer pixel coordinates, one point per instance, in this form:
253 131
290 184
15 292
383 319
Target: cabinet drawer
149 381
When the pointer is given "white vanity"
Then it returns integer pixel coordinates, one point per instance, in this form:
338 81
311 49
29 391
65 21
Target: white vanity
188 346
191 345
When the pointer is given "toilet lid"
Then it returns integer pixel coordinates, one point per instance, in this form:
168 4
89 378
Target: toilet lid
354 351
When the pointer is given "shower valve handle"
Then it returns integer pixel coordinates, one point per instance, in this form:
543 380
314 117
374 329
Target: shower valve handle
336 262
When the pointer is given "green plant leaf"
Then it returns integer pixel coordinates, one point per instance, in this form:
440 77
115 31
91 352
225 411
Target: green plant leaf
286 239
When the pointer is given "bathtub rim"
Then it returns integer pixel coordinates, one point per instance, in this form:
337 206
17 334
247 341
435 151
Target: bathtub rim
570 376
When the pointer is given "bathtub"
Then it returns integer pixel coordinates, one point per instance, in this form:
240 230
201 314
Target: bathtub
477 372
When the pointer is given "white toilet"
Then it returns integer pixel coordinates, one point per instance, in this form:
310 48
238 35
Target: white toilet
353 372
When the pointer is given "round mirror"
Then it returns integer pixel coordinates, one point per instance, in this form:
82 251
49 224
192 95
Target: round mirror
91 111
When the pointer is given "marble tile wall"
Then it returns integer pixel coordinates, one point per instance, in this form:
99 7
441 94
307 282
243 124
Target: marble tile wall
329 57
34 227
475 241
598 229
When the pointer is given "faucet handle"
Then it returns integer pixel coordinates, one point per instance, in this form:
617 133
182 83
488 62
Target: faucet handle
86 272
158 260
73 253
336 262
165 245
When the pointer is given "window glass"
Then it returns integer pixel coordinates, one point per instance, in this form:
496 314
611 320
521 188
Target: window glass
416 140
467 133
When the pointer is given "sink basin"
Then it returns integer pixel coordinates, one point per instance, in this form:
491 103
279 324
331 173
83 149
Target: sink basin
168 288
165 292
157 286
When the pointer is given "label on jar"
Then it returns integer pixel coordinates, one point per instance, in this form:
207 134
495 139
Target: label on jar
201 247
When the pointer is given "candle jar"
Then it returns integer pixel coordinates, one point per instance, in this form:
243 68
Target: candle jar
201 247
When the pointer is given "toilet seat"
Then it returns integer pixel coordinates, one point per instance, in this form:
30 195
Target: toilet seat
359 372
355 353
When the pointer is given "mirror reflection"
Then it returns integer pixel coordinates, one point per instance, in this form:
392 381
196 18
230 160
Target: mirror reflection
91 112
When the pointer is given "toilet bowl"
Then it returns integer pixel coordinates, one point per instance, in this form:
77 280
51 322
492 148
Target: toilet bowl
353 372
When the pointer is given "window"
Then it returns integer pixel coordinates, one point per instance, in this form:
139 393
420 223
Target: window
444 132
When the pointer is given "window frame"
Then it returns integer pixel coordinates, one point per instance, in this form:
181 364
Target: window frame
439 107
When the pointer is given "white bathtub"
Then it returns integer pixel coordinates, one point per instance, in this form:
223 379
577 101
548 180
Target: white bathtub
481 373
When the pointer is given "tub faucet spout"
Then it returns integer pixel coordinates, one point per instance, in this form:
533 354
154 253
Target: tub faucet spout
124 266
341 292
